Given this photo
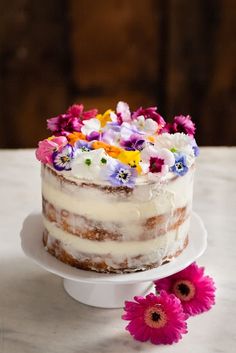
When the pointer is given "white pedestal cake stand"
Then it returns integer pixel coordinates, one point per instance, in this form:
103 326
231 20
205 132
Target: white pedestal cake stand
102 289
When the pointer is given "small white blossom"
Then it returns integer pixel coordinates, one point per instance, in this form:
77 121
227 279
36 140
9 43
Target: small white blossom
149 126
89 165
90 126
177 143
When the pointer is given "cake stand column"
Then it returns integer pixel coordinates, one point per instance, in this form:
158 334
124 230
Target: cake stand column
105 295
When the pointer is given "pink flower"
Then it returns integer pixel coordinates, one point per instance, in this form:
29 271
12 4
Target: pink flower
149 113
46 148
195 291
77 111
70 121
181 123
159 319
156 161
64 124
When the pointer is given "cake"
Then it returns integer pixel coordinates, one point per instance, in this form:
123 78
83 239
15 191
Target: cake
117 187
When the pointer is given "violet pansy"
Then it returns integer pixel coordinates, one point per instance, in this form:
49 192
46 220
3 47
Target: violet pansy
62 159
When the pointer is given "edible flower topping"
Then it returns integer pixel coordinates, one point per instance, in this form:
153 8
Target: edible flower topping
120 142
62 159
156 161
112 151
104 118
46 148
180 166
120 174
132 158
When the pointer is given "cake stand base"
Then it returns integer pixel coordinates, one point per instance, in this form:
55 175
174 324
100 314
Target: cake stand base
107 290
106 295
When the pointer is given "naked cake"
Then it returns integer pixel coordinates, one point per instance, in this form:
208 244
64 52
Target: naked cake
117 187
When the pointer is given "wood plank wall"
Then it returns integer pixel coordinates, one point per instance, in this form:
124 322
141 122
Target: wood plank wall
177 54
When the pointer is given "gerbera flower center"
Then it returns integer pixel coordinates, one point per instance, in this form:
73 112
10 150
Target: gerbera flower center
155 317
184 290
156 164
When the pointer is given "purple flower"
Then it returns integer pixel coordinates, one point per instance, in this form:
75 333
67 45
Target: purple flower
195 148
94 135
83 146
180 167
70 121
121 174
149 113
135 142
112 133
62 160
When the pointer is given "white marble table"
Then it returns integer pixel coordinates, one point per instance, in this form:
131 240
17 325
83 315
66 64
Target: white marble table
36 315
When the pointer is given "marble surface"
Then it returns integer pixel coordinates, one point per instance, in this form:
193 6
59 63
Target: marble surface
36 315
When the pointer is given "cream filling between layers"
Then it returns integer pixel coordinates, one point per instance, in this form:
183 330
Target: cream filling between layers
169 241
100 208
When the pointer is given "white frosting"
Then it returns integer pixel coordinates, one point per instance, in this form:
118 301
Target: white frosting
148 200
169 243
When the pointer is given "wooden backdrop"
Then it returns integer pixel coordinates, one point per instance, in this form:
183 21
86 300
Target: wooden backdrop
177 54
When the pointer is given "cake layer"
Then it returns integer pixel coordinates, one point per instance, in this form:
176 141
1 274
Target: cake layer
168 243
144 201
102 263
90 229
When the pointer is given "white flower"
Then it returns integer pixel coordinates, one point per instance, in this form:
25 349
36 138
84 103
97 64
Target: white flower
127 130
156 161
123 110
89 165
178 142
90 126
149 126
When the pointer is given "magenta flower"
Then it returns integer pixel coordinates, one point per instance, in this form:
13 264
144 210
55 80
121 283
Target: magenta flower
184 124
181 123
47 147
77 111
158 318
195 291
70 121
149 113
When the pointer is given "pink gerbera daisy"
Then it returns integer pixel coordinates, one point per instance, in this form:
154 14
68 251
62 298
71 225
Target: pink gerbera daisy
158 318
195 291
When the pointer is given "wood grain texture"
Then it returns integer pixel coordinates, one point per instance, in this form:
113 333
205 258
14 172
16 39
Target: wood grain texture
177 54
34 68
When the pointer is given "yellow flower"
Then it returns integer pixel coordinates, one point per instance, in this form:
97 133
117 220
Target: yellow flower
132 158
151 139
104 118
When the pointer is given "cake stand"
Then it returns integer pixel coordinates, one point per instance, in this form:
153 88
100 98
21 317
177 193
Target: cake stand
101 289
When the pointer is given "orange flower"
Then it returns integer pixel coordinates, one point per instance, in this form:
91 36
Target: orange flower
112 151
75 136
